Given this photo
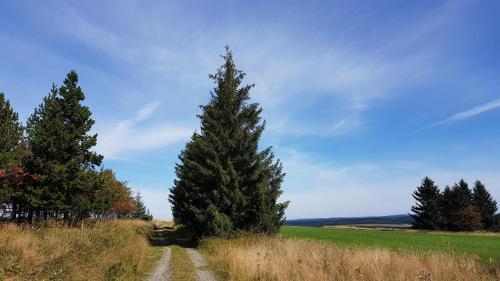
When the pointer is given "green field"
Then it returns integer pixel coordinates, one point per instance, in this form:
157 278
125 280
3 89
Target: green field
485 246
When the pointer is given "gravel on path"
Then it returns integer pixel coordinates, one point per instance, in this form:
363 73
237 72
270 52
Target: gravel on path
162 272
200 265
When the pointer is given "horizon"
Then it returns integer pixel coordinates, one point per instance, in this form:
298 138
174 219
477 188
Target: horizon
393 215
361 101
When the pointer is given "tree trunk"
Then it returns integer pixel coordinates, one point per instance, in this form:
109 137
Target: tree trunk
30 216
13 212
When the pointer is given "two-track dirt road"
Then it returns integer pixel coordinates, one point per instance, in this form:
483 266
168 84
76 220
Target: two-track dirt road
197 269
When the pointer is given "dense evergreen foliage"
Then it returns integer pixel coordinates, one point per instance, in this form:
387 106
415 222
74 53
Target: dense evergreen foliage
455 209
52 173
224 183
426 211
486 206
11 133
60 151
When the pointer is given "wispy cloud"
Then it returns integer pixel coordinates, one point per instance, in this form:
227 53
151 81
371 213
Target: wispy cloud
469 113
283 65
127 136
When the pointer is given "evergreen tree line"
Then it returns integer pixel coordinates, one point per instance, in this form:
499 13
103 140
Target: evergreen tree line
225 184
48 169
454 209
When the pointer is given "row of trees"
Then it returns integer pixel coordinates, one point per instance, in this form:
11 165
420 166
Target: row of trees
456 209
224 183
48 168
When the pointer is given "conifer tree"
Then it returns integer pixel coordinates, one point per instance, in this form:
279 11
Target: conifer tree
224 183
485 205
445 209
426 213
141 211
11 133
458 209
60 143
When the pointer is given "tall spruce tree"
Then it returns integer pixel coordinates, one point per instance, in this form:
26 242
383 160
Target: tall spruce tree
458 209
224 183
11 133
485 205
445 207
426 212
60 143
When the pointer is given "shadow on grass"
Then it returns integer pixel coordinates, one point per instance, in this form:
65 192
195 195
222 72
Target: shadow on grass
168 236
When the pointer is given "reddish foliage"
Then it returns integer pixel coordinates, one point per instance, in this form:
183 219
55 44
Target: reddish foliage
14 175
119 193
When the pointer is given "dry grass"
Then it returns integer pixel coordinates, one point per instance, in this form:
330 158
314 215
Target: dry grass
112 250
274 258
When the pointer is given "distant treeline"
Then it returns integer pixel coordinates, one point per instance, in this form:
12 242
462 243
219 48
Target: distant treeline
48 170
380 220
455 209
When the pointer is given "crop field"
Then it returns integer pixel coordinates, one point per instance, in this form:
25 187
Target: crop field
485 246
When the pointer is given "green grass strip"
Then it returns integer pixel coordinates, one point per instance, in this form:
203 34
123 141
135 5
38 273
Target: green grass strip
181 267
485 246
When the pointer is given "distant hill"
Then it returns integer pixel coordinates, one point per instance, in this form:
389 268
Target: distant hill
393 219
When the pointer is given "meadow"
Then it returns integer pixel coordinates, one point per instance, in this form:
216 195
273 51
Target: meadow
249 258
108 250
129 250
484 246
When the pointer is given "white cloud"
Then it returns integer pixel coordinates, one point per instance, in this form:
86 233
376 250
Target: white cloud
322 189
470 113
127 136
146 111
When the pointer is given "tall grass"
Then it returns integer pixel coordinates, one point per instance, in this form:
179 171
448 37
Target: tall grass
110 250
275 258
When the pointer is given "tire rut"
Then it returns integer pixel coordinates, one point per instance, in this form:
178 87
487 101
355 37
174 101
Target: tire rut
162 271
200 265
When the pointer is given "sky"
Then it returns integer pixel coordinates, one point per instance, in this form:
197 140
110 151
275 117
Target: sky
362 99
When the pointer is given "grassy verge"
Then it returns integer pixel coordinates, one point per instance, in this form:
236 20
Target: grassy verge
111 250
219 270
273 258
485 246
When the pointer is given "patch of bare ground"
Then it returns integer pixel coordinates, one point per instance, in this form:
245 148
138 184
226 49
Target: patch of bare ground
162 271
201 266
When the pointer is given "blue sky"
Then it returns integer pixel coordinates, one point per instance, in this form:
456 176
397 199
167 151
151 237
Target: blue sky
362 98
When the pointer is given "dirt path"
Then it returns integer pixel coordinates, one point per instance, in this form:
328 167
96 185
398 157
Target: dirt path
200 265
180 261
162 271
